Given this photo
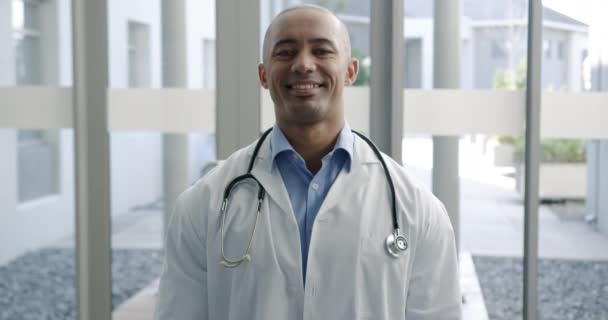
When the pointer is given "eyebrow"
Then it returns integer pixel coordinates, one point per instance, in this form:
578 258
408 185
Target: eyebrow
291 41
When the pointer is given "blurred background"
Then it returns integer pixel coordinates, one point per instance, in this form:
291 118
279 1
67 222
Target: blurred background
37 195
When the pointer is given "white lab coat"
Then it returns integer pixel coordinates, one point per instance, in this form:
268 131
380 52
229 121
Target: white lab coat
349 276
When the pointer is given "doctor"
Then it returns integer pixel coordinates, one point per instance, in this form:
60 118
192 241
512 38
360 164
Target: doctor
315 246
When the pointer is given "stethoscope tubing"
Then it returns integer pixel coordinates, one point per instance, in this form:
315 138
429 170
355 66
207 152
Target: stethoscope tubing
391 240
388 176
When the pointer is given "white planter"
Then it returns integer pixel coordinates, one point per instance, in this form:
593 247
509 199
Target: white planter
558 180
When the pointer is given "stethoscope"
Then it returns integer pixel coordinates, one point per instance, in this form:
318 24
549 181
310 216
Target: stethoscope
395 243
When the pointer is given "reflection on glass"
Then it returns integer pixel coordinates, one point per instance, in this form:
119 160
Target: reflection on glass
138 202
137 213
144 165
493 44
37 226
573 217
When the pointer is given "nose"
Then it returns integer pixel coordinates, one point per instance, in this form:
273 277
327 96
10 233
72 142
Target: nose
303 63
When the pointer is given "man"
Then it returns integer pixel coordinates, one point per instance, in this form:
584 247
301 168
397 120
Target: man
316 248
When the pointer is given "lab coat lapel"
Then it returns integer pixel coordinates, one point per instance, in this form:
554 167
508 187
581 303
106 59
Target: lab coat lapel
270 178
349 182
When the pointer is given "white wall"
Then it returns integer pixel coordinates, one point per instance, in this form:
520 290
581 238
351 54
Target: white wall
64 46
422 28
467 70
202 150
135 158
39 222
8 196
29 225
201 24
136 170
136 167
7 57
577 43
555 70
120 13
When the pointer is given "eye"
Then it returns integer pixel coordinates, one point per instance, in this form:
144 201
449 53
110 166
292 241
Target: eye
283 53
322 52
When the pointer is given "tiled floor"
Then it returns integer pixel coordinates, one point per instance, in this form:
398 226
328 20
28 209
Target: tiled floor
140 306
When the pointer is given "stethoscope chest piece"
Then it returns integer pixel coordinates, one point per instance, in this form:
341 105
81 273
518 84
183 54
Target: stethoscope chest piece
396 243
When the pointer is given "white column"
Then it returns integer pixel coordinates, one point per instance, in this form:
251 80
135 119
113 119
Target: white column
532 159
93 256
386 78
175 74
446 60
238 112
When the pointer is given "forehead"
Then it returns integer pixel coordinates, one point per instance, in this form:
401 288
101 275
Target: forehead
303 24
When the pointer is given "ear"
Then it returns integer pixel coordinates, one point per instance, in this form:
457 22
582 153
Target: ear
351 71
262 76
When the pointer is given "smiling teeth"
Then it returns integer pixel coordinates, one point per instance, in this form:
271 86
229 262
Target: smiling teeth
305 86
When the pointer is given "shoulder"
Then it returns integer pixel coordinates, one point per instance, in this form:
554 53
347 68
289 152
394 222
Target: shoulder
209 188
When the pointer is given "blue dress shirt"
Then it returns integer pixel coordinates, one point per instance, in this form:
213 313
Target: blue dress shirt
307 191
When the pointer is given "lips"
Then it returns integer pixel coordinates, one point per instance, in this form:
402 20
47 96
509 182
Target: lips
304 88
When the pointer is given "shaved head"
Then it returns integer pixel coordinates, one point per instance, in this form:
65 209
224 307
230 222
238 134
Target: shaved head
307 63
345 40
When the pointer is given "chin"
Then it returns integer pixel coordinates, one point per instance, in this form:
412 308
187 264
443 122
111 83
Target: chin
304 115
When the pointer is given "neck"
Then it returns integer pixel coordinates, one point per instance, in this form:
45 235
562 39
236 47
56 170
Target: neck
312 141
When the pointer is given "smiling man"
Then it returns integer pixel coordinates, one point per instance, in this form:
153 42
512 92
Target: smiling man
311 221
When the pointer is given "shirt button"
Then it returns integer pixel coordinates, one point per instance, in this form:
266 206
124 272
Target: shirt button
315 186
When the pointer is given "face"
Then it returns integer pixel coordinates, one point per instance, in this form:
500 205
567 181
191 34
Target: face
306 67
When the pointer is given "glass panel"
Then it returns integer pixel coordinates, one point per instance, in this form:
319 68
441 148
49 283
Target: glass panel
493 37
26 14
27 62
36 151
573 225
31 17
139 54
144 164
209 63
137 213
37 273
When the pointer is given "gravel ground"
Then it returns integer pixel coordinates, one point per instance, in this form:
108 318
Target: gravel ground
40 284
568 289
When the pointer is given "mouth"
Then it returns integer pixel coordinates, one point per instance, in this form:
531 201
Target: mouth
304 88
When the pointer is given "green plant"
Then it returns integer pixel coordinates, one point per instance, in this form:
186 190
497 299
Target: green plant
554 150
511 79
507 140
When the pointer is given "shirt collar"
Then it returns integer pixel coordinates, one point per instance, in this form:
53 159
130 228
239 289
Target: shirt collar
345 141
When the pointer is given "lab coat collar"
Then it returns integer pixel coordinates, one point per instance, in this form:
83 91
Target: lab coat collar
347 183
345 142
270 177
